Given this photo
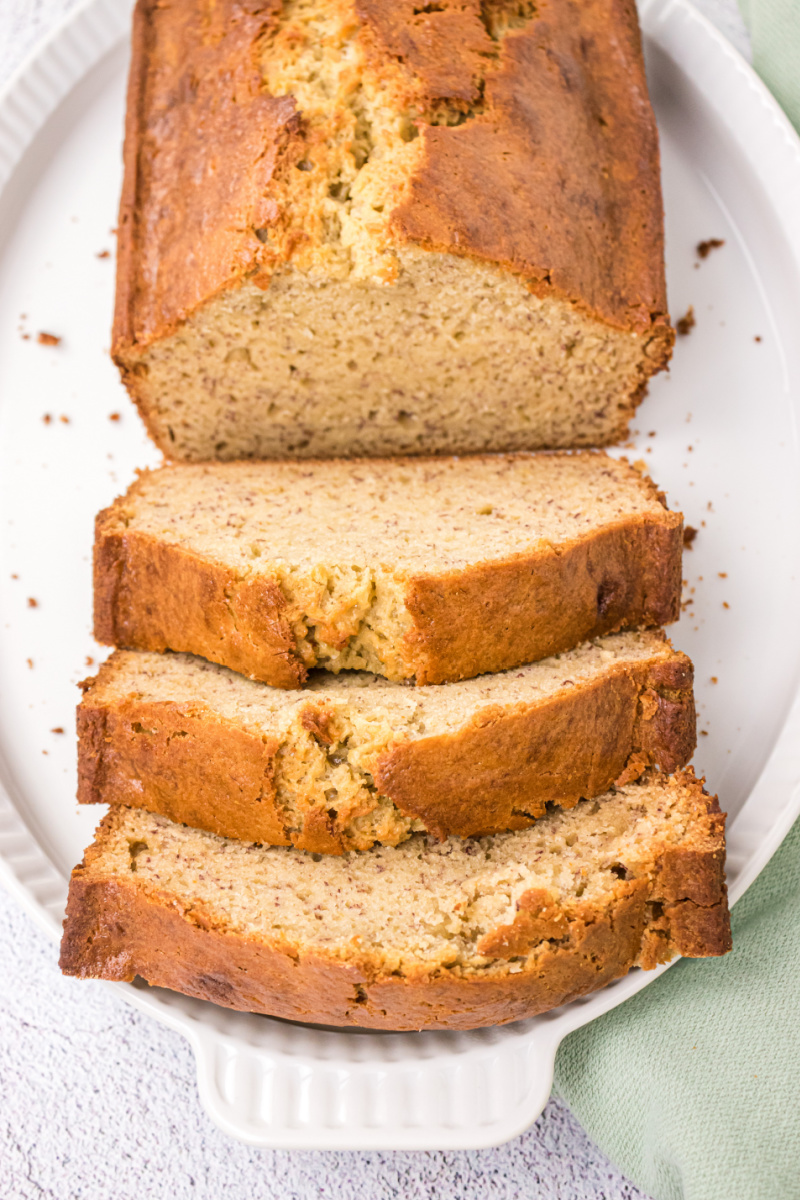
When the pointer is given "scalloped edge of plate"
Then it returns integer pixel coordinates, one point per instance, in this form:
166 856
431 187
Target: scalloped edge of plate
274 1084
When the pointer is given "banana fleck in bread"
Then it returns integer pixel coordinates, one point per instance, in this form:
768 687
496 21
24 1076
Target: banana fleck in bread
375 227
450 935
353 759
433 569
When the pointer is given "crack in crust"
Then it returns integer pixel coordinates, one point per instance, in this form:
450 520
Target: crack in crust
285 158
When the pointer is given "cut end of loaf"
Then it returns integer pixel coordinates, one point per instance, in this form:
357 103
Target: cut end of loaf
451 358
353 259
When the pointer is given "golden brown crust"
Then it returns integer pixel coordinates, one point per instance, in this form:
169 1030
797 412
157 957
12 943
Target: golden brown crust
497 773
124 300
692 907
502 770
555 177
700 930
553 173
539 918
182 761
496 615
154 596
151 595
116 930
201 143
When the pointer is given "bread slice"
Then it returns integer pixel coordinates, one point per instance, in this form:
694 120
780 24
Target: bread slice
448 935
353 759
425 569
377 227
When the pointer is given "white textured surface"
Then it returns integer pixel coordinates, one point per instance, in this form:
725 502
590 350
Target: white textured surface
727 18
100 1101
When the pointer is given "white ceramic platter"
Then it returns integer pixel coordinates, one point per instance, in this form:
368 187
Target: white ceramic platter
725 449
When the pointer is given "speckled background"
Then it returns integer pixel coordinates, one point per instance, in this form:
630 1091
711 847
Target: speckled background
97 1101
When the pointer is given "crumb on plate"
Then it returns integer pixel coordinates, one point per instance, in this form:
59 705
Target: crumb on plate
705 248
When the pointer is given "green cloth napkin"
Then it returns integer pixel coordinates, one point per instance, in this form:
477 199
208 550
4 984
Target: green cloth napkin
693 1086
774 27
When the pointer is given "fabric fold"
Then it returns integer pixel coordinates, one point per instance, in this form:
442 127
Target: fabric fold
691 1086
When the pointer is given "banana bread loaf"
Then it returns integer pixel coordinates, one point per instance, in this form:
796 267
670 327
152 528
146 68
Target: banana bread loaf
376 227
433 569
353 759
448 935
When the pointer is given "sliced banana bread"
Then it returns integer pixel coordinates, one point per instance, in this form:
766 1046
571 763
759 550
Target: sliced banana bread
449 935
381 227
430 569
354 759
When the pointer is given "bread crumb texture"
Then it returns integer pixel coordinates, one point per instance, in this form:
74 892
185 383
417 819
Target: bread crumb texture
429 568
372 227
641 868
354 759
